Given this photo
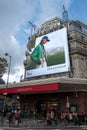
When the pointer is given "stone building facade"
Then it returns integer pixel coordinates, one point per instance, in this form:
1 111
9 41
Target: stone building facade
51 91
77 43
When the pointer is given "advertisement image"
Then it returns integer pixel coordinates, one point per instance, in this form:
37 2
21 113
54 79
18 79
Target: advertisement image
49 55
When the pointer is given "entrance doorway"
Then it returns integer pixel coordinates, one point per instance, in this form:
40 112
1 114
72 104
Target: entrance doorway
44 106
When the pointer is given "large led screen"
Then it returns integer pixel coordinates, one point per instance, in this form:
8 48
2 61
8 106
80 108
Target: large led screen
55 55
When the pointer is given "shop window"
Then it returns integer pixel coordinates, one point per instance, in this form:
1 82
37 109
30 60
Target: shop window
73 108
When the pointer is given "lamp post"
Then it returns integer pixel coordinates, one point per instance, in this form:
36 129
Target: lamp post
9 65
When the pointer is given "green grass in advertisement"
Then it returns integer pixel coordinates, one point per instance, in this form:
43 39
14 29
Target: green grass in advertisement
56 58
52 59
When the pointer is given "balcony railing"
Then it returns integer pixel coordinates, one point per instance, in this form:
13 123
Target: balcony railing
77 37
78 50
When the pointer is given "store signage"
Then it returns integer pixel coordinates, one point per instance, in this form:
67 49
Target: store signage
35 88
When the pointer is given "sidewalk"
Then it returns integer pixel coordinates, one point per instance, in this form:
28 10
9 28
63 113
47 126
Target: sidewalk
37 124
24 123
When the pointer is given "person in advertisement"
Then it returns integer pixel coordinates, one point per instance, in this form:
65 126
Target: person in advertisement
38 56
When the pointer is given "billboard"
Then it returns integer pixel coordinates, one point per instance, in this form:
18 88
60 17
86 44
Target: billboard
55 55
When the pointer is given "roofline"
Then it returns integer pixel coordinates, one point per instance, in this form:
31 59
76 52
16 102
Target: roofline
58 80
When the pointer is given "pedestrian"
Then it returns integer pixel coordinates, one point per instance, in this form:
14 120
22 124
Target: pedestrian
16 118
85 118
75 118
70 117
48 118
38 56
10 118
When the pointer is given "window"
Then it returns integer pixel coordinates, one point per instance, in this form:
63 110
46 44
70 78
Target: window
74 26
84 50
84 30
86 62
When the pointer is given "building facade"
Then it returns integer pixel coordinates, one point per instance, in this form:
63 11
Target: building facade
61 91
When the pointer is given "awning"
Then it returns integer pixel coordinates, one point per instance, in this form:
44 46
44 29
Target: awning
30 89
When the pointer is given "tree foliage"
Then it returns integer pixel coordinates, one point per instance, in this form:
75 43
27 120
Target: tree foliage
3 65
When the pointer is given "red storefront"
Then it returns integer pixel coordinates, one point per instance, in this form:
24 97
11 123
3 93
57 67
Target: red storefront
30 89
51 93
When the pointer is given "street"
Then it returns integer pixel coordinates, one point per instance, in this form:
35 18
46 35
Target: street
46 128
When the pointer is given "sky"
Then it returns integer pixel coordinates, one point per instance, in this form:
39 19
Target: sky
15 27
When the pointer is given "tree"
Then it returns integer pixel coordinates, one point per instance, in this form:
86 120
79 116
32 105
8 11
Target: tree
2 81
3 65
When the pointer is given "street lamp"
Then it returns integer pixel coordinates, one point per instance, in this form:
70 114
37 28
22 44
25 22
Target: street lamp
9 65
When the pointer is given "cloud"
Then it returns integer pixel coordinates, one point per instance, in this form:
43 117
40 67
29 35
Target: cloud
17 53
13 14
52 8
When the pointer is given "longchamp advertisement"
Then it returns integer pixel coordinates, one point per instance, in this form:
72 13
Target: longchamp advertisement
51 57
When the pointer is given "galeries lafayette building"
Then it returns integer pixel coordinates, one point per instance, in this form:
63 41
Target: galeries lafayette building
56 88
